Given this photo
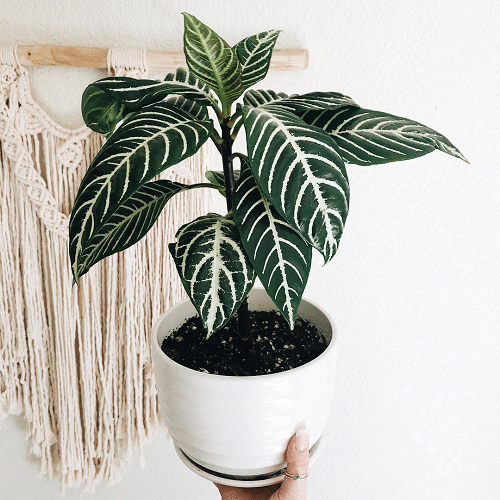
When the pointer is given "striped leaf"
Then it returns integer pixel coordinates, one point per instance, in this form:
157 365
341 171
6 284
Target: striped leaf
100 111
297 103
130 223
279 255
366 137
217 177
301 173
191 87
136 93
193 108
213 267
213 61
254 53
148 142
262 97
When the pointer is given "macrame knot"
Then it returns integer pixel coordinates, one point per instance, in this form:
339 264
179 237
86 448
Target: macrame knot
70 154
8 69
26 122
11 148
53 219
127 62
7 75
8 55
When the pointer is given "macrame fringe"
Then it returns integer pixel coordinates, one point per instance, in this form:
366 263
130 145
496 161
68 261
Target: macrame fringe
76 360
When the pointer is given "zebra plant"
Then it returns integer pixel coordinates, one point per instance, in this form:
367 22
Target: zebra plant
290 195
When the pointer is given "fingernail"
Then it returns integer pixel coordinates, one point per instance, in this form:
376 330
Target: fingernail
302 439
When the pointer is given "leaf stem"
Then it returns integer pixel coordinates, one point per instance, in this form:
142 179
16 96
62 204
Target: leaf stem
217 140
226 113
216 137
216 108
235 117
236 128
205 185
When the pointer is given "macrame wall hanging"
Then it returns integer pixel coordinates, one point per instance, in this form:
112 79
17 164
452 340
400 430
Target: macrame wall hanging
76 361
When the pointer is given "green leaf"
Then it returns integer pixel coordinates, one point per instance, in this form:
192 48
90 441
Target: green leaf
130 222
279 255
217 177
297 103
301 173
254 53
258 98
148 142
366 137
213 267
213 61
137 93
191 87
100 111
191 107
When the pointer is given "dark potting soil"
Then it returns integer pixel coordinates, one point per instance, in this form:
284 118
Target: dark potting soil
269 348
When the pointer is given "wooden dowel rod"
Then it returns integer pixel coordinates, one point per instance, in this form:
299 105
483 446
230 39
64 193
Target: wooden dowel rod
93 57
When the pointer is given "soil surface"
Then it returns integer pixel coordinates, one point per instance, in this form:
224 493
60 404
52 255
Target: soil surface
269 348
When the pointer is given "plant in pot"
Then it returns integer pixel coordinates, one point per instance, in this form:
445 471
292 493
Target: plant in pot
232 422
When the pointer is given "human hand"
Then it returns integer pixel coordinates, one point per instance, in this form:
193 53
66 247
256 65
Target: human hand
297 457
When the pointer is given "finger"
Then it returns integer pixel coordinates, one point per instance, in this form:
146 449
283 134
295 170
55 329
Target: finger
297 458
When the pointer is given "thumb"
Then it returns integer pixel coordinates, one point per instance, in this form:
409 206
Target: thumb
297 458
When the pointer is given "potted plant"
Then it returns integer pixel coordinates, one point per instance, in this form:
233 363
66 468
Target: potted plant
290 195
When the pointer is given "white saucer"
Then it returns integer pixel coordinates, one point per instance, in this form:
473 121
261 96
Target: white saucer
244 481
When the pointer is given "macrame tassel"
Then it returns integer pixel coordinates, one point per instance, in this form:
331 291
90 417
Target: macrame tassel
77 360
13 348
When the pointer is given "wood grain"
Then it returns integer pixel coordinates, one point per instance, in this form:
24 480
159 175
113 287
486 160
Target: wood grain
94 57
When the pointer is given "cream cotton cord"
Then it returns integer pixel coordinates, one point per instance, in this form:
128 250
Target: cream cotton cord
76 360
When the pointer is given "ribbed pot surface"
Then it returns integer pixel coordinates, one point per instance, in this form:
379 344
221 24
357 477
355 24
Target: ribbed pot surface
242 425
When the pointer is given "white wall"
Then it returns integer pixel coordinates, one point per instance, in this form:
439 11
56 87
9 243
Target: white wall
414 287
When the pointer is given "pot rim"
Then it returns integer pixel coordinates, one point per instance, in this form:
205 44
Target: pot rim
329 351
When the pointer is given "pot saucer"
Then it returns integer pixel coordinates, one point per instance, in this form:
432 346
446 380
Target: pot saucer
243 481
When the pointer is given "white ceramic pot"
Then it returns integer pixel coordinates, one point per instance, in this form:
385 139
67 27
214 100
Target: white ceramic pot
237 428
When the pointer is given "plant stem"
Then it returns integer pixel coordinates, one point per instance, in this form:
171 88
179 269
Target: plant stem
244 319
227 165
